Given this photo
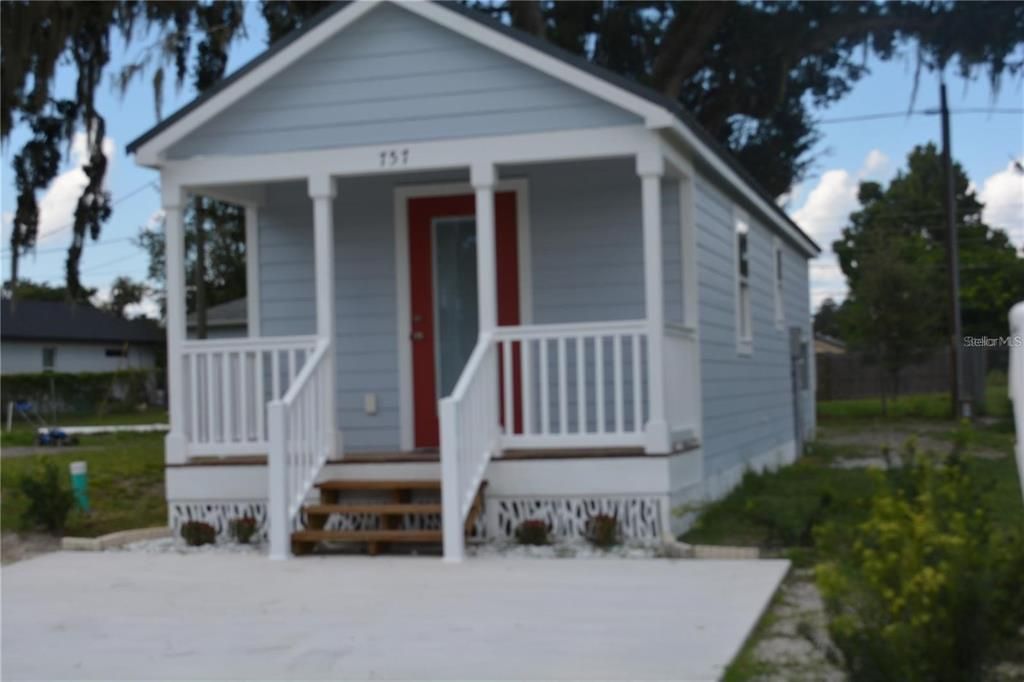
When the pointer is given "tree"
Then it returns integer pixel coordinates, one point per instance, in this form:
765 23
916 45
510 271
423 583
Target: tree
827 319
27 290
893 254
749 72
992 270
123 293
224 262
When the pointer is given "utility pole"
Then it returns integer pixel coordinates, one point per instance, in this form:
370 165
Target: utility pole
952 251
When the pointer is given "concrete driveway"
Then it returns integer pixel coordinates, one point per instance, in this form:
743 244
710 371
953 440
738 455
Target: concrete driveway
221 616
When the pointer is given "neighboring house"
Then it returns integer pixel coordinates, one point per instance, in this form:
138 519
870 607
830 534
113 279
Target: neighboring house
826 345
473 257
223 321
56 336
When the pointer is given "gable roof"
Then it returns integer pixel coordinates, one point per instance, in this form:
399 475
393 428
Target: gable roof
644 101
63 321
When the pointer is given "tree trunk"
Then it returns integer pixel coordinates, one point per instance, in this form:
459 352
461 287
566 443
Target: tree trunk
200 282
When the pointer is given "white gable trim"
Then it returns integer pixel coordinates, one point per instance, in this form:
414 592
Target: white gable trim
150 153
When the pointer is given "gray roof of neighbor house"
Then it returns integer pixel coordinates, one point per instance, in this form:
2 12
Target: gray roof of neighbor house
63 321
545 46
227 314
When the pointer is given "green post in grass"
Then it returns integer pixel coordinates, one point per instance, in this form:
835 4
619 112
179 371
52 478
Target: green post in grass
80 484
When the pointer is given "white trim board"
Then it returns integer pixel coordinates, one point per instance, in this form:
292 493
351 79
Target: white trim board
402 194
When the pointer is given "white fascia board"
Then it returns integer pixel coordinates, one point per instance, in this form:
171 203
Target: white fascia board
768 212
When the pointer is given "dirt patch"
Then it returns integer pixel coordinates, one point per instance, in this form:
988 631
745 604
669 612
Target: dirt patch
21 546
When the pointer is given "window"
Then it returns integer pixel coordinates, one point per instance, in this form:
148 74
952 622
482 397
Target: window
744 320
780 313
49 359
114 352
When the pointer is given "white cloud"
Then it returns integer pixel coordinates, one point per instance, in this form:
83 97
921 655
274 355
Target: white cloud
824 214
1003 196
876 166
57 205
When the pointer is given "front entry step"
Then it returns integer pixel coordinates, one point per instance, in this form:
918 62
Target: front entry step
379 513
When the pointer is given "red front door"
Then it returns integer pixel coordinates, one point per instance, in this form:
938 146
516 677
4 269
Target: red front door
442 281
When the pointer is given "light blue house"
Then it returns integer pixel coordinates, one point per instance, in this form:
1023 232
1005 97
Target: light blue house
473 259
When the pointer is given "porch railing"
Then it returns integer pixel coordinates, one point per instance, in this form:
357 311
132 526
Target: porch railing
469 438
681 358
573 385
228 384
301 434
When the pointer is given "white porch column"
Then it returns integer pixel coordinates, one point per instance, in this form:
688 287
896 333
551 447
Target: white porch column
252 271
322 190
651 167
175 443
483 178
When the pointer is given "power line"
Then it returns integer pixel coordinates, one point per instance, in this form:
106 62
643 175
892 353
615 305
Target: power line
917 112
113 203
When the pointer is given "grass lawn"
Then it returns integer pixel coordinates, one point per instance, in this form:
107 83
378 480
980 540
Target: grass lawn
126 484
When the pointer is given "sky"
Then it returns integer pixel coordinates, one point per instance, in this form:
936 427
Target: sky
986 144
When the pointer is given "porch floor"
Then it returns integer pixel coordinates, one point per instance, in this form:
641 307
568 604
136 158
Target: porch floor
128 615
428 455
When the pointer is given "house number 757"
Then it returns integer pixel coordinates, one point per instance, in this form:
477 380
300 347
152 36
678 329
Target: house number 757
390 158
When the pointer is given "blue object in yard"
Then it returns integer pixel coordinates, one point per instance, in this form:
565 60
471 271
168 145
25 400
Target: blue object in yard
80 484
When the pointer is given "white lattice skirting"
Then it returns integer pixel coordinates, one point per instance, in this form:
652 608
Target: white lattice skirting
640 518
219 515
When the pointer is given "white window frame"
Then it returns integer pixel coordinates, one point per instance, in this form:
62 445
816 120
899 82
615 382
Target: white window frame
52 351
777 284
744 305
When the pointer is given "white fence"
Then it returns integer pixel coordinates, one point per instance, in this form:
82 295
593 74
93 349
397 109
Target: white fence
1016 382
301 434
228 384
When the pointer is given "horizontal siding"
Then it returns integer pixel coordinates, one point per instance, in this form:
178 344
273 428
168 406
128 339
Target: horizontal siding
395 77
587 242
671 250
747 399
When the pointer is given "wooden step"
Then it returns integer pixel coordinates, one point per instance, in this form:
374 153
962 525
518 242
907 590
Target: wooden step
370 508
366 536
384 484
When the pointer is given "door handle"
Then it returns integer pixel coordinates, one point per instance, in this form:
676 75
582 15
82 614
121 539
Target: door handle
416 336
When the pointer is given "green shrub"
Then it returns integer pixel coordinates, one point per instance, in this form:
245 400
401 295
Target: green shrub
198 533
533 532
602 531
924 589
49 500
243 529
82 392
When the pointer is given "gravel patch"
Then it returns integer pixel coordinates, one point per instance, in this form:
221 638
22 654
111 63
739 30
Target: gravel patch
563 550
797 638
174 545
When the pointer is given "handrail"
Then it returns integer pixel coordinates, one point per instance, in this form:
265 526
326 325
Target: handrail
469 438
301 439
534 330
236 343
